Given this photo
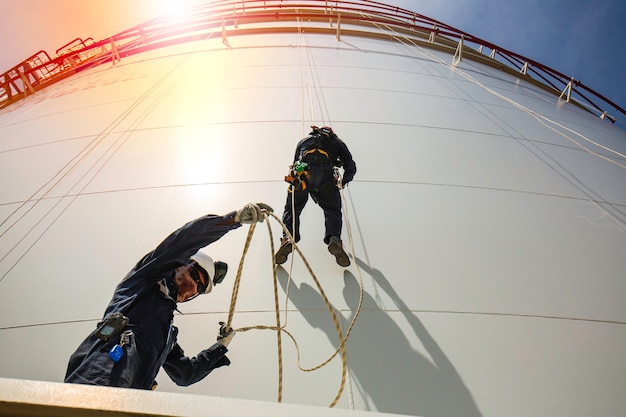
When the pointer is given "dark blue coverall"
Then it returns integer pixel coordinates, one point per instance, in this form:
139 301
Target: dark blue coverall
321 185
151 312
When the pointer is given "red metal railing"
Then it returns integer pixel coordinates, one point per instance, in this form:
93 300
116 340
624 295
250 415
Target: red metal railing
228 18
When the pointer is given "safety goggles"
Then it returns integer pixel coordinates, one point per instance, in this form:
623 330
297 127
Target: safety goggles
221 268
202 285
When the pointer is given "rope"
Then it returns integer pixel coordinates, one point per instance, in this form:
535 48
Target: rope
341 349
282 328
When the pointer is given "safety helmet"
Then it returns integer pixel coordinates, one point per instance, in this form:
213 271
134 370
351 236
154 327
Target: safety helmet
214 270
324 130
327 131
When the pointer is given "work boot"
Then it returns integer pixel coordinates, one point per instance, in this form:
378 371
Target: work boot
335 248
282 252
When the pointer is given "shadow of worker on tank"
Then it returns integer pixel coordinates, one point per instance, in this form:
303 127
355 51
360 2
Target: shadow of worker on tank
388 374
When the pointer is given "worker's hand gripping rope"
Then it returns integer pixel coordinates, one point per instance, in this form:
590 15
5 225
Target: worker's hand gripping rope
225 335
252 213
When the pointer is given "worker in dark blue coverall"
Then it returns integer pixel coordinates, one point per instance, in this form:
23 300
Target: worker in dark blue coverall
137 337
313 173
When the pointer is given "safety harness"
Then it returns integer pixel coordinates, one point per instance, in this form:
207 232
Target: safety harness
314 153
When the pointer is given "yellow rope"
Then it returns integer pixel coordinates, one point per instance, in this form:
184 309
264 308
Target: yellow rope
281 328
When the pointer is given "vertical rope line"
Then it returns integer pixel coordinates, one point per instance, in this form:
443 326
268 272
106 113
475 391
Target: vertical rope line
277 314
233 299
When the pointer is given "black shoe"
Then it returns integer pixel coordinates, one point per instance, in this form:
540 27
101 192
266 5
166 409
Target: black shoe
335 248
282 252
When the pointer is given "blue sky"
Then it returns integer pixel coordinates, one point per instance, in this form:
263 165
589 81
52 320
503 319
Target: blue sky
583 39
580 38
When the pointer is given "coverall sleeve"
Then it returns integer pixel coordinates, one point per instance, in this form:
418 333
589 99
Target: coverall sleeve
185 371
184 242
174 251
349 166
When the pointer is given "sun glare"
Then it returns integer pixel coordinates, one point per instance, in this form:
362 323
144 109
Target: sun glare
174 8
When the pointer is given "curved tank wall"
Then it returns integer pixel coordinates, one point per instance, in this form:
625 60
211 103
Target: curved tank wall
486 222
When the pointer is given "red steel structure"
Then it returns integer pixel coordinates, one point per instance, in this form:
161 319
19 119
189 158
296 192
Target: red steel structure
228 18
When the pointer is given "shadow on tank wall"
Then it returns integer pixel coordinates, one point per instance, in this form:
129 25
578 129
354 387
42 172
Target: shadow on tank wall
390 377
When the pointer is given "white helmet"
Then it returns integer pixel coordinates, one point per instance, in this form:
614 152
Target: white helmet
215 270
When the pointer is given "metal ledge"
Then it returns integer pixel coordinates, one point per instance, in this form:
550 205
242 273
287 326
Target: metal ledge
23 398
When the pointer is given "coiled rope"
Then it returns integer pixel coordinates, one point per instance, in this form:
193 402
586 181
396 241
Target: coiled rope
280 328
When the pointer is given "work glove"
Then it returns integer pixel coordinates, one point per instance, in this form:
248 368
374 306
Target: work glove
225 335
252 213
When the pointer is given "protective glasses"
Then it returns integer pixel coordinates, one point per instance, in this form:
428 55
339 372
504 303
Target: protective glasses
221 268
201 284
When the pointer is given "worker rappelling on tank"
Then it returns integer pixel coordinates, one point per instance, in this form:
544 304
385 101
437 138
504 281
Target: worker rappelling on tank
136 336
315 172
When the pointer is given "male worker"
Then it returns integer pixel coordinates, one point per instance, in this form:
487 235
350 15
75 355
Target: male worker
315 172
137 336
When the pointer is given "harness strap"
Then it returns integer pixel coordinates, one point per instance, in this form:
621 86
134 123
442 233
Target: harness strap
311 151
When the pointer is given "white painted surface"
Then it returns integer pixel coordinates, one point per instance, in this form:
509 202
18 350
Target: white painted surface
490 242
